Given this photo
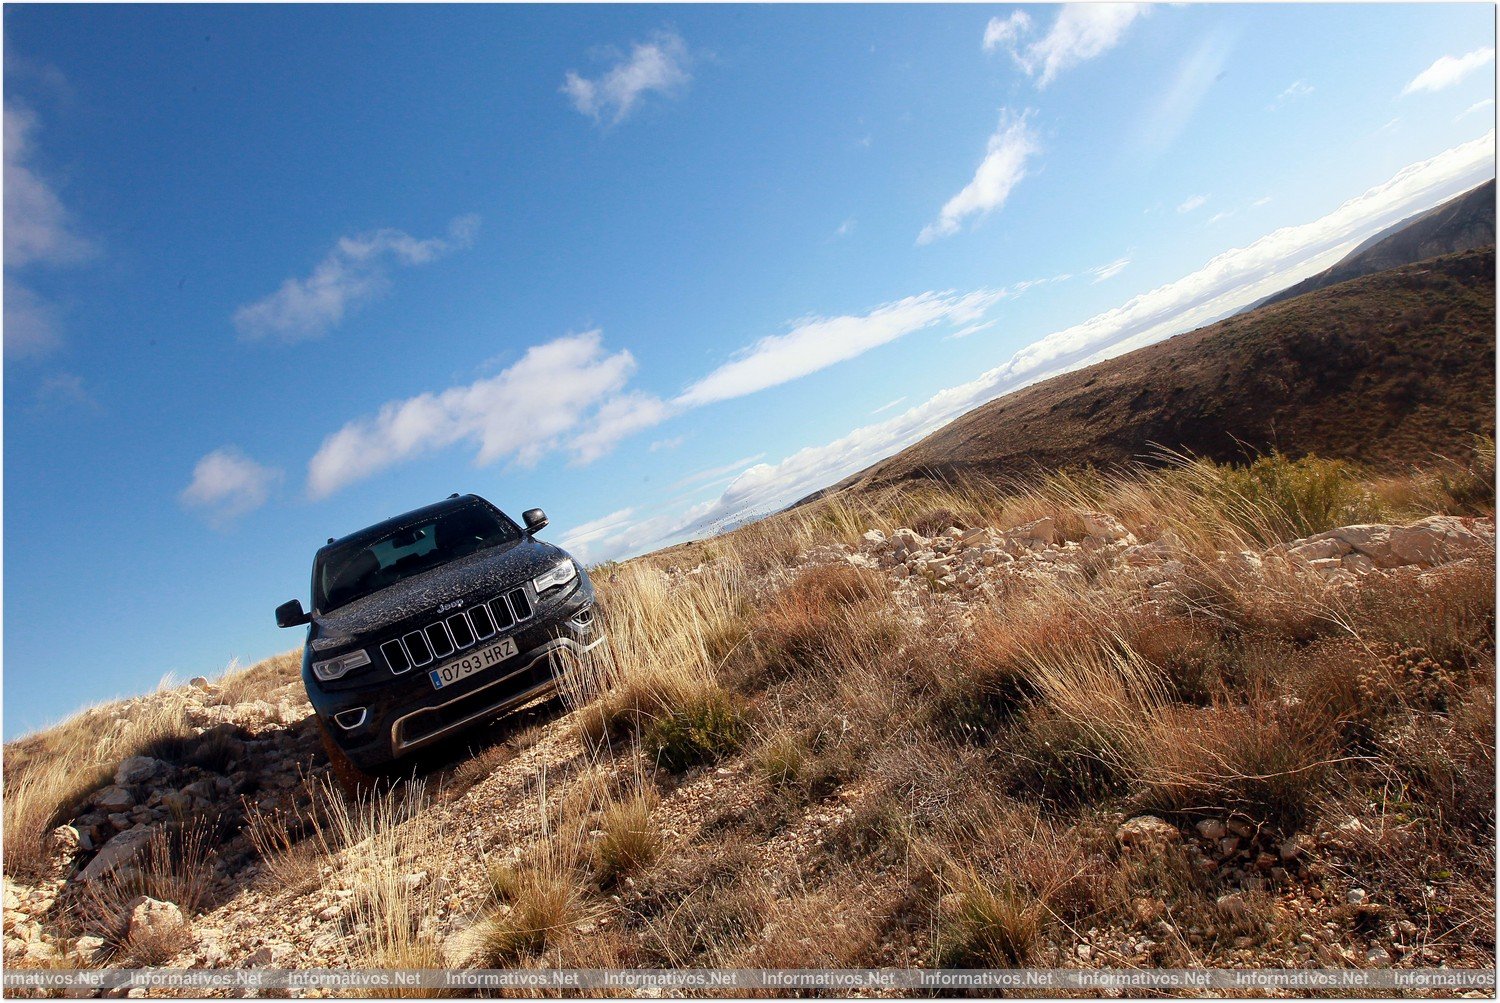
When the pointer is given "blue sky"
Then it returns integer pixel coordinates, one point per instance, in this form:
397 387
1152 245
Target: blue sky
273 273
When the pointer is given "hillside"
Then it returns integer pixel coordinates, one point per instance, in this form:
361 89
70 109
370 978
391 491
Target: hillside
1197 717
1460 224
1388 369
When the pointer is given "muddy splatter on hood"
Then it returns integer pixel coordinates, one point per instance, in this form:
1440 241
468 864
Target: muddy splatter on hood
478 576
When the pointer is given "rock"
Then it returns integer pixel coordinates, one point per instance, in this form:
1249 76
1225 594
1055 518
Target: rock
1043 530
1356 896
1084 952
1229 845
1104 527
64 841
269 954
1327 565
136 769
1378 957
88 947
1233 905
205 789
1147 830
1316 549
1436 540
1240 828
153 918
872 539
416 880
1211 829
1359 564
116 853
976 537
200 683
114 799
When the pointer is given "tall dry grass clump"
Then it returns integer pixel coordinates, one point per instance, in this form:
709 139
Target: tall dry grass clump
49 773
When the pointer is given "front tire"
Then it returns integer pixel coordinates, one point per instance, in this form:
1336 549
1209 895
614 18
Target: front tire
354 780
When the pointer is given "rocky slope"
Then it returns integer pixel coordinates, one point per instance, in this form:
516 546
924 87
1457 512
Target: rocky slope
256 762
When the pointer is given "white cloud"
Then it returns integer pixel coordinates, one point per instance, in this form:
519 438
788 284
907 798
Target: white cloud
618 418
1109 271
568 386
886 407
658 65
31 327
846 227
356 270
815 343
1192 202
1004 165
1228 282
672 443
65 392
1219 217
1476 106
1263 200
1200 68
1080 32
578 540
37 226
1298 89
228 484
39 230
964 332
732 467
1449 70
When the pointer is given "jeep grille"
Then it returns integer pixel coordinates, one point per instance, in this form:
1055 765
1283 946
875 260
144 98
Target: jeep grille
442 638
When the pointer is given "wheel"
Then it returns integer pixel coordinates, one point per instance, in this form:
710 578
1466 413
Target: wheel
350 777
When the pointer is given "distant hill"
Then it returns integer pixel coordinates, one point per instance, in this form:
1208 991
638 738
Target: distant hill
1386 369
1460 224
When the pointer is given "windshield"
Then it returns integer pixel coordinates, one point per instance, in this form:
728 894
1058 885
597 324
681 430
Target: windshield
354 570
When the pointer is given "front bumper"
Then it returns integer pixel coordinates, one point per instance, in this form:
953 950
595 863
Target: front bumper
395 715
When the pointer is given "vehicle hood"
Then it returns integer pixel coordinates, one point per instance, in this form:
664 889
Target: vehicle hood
477 576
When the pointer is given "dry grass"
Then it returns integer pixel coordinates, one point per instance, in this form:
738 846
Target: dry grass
49 773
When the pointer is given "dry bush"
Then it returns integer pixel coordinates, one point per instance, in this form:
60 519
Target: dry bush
631 842
707 909
1449 614
698 726
377 844
261 680
176 867
49 773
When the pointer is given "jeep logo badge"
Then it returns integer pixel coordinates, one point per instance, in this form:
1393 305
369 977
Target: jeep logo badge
445 607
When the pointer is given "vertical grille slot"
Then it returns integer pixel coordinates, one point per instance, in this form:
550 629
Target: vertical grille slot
437 636
501 610
519 603
483 623
458 626
395 656
418 648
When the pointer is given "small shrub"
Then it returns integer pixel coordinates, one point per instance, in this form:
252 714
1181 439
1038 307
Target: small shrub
630 842
781 759
703 725
980 926
1064 762
538 905
1293 498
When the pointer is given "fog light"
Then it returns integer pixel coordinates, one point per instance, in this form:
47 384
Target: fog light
351 718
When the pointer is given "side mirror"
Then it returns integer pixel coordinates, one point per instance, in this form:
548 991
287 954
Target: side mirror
535 520
290 614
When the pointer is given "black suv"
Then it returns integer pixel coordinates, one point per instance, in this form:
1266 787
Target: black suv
433 621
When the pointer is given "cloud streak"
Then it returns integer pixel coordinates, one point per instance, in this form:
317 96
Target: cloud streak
1004 165
1228 282
659 65
355 271
816 343
1080 32
1447 71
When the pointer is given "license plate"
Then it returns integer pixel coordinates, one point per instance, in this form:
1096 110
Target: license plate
475 661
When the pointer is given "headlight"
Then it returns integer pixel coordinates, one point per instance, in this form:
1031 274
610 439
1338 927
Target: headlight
560 575
332 668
